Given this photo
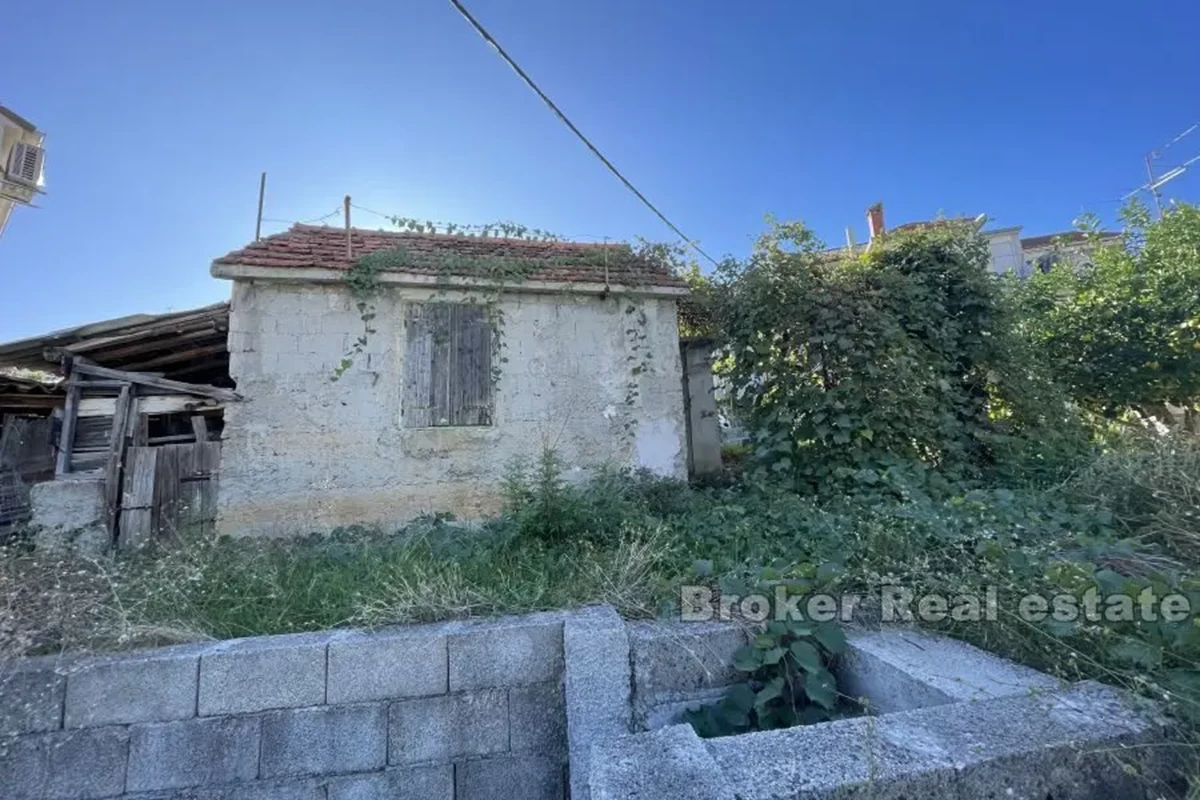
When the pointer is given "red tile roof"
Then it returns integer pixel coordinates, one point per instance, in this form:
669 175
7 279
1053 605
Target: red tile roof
440 254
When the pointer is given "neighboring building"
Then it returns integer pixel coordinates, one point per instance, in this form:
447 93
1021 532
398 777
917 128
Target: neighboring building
21 157
1009 252
1073 247
566 346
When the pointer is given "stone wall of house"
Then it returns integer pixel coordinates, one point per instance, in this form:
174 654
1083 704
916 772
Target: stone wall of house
596 379
456 711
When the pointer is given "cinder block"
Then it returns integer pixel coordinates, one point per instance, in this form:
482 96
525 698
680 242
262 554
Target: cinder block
596 685
324 741
301 323
528 777
537 719
671 764
904 669
670 662
432 782
80 765
31 700
388 665
116 691
448 727
278 343
87 764
194 752
506 654
280 672
23 766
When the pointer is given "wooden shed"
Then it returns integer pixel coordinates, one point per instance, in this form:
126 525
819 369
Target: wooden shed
135 402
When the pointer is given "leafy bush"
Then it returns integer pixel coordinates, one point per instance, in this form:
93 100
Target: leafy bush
904 355
788 682
1124 330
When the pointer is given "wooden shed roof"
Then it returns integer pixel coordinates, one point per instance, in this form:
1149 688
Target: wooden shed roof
181 345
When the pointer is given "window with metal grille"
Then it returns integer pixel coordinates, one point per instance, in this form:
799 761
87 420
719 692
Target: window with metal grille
447 366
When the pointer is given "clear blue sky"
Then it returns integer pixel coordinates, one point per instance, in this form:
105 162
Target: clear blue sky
160 115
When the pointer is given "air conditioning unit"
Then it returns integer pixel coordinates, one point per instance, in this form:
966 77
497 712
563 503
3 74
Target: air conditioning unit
25 163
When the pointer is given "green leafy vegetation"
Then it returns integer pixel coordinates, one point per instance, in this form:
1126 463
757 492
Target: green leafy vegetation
1123 330
788 681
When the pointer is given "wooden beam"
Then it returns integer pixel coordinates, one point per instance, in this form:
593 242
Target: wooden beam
160 342
215 320
142 379
179 355
66 439
40 402
199 428
116 457
148 404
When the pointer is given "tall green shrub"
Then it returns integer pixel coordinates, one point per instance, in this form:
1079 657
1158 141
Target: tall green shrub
904 354
1124 330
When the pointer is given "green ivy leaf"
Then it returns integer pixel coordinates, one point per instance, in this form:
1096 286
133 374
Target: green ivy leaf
800 628
821 688
806 656
747 659
831 637
740 697
773 656
772 690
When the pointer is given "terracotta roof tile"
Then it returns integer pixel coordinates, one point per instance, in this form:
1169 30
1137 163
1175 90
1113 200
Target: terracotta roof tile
439 254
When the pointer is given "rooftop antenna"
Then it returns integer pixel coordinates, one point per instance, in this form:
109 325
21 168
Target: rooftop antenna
349 248
1154 182
850 240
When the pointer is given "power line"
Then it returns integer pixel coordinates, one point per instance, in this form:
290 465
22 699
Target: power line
487 37
333 213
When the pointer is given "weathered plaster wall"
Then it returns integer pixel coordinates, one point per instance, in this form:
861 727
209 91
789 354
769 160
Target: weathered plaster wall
596 379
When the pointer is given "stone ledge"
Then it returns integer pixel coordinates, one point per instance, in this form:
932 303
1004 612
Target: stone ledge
248 675
597 687
901 669
1026 747
516 651
407 662
159 687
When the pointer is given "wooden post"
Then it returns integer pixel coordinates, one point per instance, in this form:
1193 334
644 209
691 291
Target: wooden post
262 190
349 249
199 428
116 456
66 439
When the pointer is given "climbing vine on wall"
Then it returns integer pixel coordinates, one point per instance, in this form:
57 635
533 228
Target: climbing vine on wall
638 357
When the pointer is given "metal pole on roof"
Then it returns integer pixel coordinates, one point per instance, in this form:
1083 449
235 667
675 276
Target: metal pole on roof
349 253
262 190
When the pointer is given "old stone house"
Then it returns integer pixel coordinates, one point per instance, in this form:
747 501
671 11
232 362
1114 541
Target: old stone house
415 393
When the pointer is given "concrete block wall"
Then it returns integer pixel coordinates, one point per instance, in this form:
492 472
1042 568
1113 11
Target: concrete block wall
523 707
458 711
305 453
947 722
